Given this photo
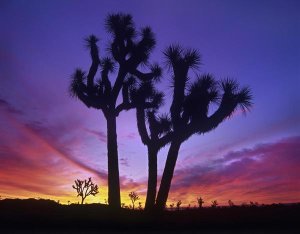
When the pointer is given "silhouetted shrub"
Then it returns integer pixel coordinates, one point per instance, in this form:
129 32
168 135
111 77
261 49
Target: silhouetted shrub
85 188
133 197
200 202
214 204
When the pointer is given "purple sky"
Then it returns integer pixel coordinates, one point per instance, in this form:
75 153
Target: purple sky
41 43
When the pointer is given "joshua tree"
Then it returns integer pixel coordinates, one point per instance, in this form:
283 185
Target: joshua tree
190 107
140 206
178 204
253 203
133 197
230 203
156 136
214 203
200 202
128 50
85 188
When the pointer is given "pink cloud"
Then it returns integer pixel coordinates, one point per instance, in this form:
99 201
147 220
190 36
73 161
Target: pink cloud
266 173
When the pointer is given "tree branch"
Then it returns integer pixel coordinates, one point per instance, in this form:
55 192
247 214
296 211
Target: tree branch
166 139
106 82
141 124
92 44
144 76
118 84
130 105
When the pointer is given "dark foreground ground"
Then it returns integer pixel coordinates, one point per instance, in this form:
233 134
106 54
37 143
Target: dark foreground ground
45 216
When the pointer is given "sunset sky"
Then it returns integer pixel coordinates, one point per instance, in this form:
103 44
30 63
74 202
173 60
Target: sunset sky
48 139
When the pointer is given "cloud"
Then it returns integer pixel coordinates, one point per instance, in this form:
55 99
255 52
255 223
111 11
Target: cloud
33 160
124 162
131 136
100 135
266 172
6 106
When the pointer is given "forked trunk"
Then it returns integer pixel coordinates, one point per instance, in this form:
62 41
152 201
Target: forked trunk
165 184
114 200
152 178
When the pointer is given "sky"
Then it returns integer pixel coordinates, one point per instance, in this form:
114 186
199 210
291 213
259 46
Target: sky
48 139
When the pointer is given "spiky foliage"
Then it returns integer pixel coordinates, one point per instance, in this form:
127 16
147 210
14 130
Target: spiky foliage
190 108
159 125
200 94
77 83
180 60
128 50
85 188
120 26
144 95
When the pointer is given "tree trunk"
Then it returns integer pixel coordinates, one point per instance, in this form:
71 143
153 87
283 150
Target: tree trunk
114 199
152 178
82 200
165 184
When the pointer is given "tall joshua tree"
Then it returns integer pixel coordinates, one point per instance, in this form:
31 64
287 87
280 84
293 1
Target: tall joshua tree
190 107
128 50
156 136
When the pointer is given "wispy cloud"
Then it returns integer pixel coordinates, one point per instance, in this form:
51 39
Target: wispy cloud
266 173
9 108
32 159
124 162
99 134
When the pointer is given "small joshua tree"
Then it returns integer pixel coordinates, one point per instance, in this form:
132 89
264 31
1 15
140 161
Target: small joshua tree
214 204
140 206
178 204
253 203
230 203
85 188
200 202
133 197
172 206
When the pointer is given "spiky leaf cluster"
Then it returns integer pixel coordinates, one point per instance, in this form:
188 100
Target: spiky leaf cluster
192 100
129 49
146 93
200 94
158 124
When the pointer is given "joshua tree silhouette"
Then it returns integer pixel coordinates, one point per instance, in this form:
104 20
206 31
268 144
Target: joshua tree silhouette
178 204
214 203
190 107
128 50
159 133
140 206
230 203
133 197
200 202
85 188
